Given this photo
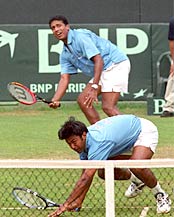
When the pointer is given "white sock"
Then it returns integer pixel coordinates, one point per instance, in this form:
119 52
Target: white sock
133 178
157 189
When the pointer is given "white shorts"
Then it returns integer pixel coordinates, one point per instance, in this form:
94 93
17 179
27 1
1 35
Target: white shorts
148 136
115 78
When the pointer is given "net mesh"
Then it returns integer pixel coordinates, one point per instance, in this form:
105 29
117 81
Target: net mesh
56 179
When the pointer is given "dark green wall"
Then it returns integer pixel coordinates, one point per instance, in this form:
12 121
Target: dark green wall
86 11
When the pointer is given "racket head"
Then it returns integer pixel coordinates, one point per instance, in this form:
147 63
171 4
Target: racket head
21 93
29 198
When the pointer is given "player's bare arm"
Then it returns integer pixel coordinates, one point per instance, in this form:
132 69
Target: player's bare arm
60 92
77 204
93 92
78 193
81 186
98 68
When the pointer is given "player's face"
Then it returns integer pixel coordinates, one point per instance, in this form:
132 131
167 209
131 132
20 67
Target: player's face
60 30
77 143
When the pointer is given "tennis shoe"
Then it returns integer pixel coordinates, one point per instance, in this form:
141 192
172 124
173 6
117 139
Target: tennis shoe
163 203
134 189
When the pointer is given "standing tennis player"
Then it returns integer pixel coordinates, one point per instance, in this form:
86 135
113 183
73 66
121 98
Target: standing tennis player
97 58
111 139
168 108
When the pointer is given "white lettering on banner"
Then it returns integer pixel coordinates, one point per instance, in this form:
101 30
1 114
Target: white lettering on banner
76 87
44 66
158 106
122 42
103 33
45 88
41 88
139 34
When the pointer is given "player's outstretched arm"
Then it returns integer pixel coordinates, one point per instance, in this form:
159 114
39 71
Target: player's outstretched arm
78 194
61 90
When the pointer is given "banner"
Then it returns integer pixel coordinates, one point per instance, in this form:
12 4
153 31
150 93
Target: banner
30 54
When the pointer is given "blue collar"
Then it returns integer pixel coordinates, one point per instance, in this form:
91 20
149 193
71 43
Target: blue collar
70 36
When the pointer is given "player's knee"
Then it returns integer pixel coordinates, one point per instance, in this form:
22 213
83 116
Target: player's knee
108 110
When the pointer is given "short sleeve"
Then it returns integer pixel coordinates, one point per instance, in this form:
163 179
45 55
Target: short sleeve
88 47
66 66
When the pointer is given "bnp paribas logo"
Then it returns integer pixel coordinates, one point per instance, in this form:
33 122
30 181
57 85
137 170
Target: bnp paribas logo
8 39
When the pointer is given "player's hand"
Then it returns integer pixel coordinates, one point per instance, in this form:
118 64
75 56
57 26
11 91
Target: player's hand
75 206
91 98
62 209
58 211
54 104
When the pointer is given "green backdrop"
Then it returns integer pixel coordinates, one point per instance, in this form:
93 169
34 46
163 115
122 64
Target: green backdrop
30 54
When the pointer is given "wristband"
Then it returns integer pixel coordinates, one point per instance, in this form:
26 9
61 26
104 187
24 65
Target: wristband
95 86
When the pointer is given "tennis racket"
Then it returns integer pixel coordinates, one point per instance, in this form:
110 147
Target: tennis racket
23 94
33 200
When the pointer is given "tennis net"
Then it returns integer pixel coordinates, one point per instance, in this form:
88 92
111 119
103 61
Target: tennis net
56 179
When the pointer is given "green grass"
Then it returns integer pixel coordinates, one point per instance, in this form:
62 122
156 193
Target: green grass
31 131
57 185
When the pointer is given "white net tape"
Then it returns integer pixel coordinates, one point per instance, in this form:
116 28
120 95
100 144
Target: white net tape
107 165
154 163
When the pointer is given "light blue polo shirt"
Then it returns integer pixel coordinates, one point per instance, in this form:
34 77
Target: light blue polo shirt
111 136
84 44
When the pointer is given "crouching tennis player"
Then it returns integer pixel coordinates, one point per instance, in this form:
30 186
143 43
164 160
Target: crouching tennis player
110 139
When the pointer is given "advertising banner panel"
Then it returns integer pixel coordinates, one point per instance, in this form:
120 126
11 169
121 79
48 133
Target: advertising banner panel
30 54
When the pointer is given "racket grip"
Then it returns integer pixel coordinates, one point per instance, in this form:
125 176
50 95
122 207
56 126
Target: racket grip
48 102
58 105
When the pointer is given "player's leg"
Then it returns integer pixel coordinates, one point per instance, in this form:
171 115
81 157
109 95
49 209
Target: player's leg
144 174
168 108
114 80
148 178
125 174
144 148
90 113
136 185
119 174
109 103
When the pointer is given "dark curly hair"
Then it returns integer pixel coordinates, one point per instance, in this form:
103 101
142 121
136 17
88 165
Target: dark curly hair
72 127
60 18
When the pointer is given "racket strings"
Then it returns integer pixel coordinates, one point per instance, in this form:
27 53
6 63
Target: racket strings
21 93
30 200
24 95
